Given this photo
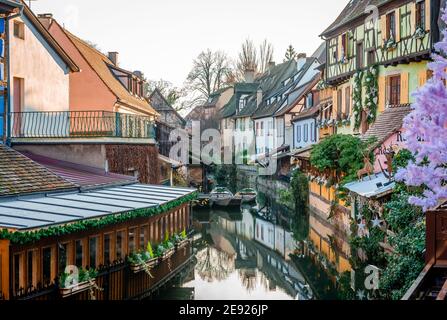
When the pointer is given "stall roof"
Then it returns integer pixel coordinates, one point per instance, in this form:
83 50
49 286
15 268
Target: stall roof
371 187
27 213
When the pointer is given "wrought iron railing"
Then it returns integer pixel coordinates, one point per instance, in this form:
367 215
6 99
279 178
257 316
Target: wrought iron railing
80 124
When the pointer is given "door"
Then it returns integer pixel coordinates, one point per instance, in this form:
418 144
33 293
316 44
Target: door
17 108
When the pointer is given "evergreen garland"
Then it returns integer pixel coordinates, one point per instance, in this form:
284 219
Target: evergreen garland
357 99
371 89
23 238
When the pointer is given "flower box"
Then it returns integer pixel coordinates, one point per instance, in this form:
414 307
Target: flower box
76 288
181 244
142 266
167 254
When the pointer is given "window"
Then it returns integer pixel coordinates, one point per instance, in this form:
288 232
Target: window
339 103
250 124
107 248
62 256
31 277
143 237
391 25
242 103
46 265
257 129
309 100
93 252
119 245
226 123
270 128
298 133
312 132
79 253
19 30
17 272
359 55
132 242
262 128
393 90
347 101
420 15
306 132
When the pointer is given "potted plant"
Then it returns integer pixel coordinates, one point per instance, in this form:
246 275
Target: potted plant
70 284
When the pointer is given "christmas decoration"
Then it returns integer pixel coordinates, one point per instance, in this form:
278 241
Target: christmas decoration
371 93
357 99
426 134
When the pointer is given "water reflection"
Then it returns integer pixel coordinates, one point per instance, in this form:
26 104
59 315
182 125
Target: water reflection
266 253
242 255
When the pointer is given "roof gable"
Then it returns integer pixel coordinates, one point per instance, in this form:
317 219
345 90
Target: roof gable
101 64
48 38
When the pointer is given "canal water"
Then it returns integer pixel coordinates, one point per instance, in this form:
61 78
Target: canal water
262 252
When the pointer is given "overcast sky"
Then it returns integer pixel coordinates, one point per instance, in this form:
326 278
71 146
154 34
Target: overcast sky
162 37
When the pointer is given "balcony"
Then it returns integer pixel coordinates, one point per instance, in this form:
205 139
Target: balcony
80 127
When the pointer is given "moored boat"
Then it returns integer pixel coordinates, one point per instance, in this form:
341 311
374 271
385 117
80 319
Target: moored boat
221 196
247 195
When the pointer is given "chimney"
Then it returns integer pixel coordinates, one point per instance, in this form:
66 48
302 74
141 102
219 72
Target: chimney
258 97
45 19
272 64
113 56
249 76
301 60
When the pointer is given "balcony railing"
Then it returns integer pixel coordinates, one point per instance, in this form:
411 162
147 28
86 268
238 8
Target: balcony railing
80 124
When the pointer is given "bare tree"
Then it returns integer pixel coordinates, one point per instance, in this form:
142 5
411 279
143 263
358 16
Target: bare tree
290 53
253 59
172 94
210 72
248 58
265 55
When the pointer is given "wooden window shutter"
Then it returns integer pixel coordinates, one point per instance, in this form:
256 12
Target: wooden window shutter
382 30
382 93
397 21
334 101
422 78
427 15
413 17
404 88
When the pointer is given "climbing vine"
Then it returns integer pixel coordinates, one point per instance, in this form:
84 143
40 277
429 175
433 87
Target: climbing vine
371 93
141 158
24 238
357 99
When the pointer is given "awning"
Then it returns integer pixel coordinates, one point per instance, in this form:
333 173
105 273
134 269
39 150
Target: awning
375 187
57 209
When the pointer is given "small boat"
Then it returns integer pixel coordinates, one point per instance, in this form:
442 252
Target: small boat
247 195
221 196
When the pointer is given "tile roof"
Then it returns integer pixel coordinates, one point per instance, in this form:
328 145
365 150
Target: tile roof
20 175
159 103
84 176
354 9
298 94
388 123
307 113
101 65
